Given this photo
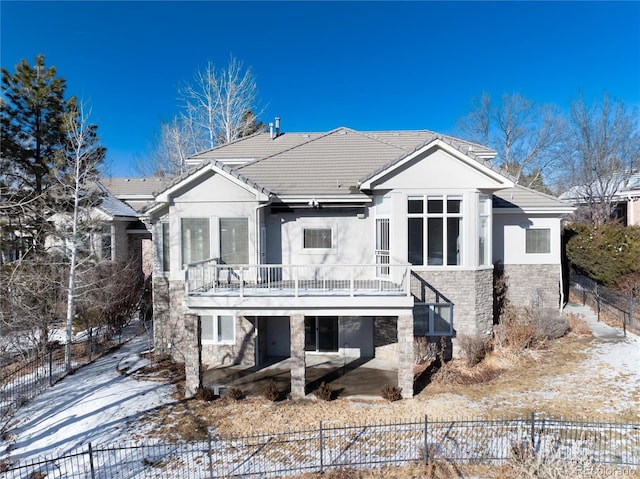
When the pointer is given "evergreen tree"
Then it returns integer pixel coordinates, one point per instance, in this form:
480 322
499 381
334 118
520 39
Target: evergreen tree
32 134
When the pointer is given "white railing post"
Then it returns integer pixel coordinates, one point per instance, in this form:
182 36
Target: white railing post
241 282
296 279
351 283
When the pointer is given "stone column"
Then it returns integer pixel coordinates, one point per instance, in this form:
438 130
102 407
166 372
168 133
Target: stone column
161 308
192 355
298 362
405 355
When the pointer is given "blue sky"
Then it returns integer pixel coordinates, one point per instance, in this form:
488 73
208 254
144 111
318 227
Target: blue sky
320 65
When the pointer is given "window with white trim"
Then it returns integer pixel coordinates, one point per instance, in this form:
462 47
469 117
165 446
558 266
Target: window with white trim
166 246
484 210
217 329
234 240
195 240
434 230
317 238
538 241
106 242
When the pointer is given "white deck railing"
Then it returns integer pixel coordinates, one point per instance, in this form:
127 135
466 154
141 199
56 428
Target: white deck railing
211 278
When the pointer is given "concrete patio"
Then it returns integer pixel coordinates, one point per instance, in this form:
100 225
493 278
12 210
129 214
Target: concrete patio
347 376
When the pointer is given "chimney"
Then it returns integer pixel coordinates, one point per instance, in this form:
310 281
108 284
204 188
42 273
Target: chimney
271 130
277 126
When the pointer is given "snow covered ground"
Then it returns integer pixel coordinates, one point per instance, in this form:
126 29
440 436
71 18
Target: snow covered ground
96 404
101 403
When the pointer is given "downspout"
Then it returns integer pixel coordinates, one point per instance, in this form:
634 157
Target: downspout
256 339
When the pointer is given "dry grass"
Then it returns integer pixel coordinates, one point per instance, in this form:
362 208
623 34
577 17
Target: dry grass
554 380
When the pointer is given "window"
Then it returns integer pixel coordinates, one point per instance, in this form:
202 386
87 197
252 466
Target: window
105 242
434 228
195 240
321 333
484 206
234 240
218 329
317 238
538 241
166 246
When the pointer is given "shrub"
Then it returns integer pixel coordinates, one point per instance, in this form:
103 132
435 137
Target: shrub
271 392
522 328
604 252
391 393
577 325
424 350
205 394
549 324
474 348
236 394
324 392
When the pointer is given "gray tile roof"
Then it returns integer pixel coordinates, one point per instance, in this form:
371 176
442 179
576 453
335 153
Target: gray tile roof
523 198
127 187
254 147
338 161
330 163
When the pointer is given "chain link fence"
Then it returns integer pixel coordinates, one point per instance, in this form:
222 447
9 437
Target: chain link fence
492 441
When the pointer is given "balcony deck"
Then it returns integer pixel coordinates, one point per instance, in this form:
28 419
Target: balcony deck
208 278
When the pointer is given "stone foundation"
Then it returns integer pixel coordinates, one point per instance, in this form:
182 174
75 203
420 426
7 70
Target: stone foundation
471 293
536 285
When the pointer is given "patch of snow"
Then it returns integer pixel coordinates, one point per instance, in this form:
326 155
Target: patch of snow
96 404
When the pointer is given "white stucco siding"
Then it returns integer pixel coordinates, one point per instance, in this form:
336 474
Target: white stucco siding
213 198
215 188
438 170
352 238
509 238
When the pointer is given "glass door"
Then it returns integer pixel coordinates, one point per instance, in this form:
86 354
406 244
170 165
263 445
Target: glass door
321 334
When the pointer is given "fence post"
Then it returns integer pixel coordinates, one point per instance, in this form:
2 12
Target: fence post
209 453
50 367
631 309
425 452
93 472
321 446
533 431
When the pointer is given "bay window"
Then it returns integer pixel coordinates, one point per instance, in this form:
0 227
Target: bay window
435 230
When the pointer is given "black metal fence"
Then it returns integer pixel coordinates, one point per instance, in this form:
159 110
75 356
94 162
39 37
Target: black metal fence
355 447
615 306
22 383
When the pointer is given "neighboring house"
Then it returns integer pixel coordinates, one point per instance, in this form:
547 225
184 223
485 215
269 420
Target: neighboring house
115 230
135 194
346 243
621 191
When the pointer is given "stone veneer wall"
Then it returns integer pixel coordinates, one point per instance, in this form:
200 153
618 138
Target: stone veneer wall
471 293
160 293
533 284
170 333
242 352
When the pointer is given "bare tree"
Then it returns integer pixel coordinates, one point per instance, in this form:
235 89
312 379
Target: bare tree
218 107
31 301
524 134
601 145
77 173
